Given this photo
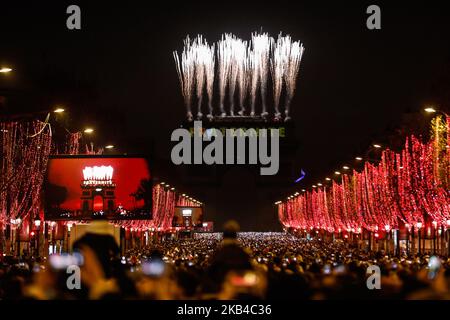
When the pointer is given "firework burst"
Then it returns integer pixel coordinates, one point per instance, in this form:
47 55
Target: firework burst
259 65
241 66
292 52
185 70
224 55
277 70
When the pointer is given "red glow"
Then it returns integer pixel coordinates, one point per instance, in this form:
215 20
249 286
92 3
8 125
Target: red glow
98 203
401 189
128 173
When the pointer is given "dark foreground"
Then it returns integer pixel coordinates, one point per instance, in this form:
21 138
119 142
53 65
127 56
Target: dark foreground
255 266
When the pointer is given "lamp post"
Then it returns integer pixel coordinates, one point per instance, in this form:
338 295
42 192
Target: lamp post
37 223
408 244
388 238
69 228
16 223
433 110
434 233
419 226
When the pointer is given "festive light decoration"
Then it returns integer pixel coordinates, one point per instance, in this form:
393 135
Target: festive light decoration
164 202
25 148
410 188
73 143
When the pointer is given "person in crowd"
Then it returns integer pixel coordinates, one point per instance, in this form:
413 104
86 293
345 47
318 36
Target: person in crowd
99 239
101 259
232 265
229 256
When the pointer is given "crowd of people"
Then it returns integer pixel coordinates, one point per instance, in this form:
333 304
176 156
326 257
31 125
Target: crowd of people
229 265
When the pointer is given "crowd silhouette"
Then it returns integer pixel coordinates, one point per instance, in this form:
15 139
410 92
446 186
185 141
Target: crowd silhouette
223 266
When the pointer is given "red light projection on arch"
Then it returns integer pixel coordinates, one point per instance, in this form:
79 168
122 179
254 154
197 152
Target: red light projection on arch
83 186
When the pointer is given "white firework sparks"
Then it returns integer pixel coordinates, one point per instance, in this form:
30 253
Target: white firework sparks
292 52
259 65
242 65
277 70
185 70
241 56
204 71
199 53
209 63
224 55
237 76
196 68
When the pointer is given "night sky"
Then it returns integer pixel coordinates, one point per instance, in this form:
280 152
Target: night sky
117 74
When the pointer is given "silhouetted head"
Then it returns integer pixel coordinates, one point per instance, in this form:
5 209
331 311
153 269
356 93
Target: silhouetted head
230 229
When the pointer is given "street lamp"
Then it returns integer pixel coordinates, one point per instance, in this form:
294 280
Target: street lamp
59 110
5 70
109 146
434 110
88 130
358 158
37 223
375 145
419 226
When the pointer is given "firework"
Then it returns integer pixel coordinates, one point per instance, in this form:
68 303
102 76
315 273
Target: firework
259 65
241 58
199 50
196 67
237 69
224 55
242 66
292 52
185 70
209 71
277 70
204 72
